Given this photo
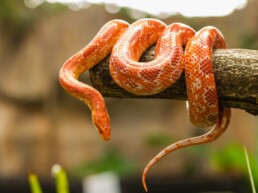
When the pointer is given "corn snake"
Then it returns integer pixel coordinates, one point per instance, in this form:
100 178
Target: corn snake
126 43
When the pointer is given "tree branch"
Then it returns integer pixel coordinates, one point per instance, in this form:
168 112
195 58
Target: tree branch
236 74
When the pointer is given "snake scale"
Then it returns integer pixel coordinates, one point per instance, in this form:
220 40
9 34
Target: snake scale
178 48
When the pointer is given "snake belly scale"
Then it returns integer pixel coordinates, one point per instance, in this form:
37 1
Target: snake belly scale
178 48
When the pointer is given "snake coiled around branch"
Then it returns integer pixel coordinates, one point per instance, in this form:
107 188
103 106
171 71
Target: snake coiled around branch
178 49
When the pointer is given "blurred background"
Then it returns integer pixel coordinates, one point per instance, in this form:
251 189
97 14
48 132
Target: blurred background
41 125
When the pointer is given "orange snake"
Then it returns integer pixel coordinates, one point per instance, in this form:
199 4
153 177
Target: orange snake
126 43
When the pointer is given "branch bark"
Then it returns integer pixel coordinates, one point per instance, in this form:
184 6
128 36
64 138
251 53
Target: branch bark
235 70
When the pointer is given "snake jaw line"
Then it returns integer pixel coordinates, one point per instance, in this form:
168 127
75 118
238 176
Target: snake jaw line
104 135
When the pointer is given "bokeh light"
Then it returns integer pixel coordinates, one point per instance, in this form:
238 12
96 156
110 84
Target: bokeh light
161 9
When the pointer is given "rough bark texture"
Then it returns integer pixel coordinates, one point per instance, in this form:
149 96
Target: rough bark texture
236 74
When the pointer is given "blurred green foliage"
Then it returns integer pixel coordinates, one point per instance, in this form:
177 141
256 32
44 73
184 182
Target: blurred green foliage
158 139
249 40
229 158
232 158
110 161
16 19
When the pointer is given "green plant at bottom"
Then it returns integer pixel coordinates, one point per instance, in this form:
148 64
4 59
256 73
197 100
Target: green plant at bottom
61 181
233 158
111 160
230 156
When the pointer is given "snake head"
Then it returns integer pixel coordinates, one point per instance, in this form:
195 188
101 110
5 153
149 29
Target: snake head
101 121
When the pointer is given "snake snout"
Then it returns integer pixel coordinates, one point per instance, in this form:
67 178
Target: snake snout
101 121
103 131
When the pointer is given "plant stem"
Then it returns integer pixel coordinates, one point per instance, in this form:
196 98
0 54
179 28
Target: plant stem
62 185
34 183
250 171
